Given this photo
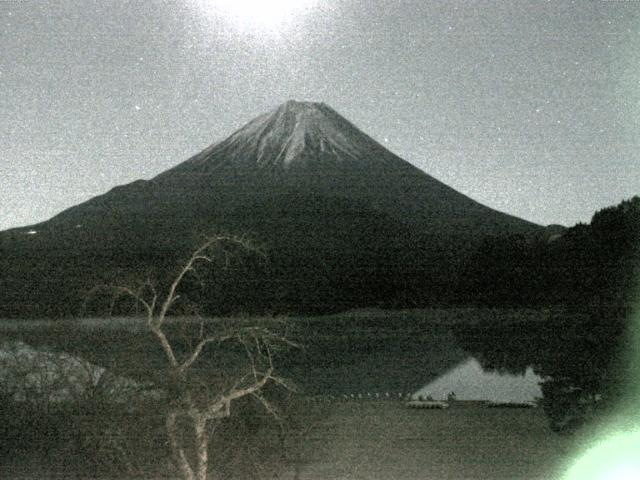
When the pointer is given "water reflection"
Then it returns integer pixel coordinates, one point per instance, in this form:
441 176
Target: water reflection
469 381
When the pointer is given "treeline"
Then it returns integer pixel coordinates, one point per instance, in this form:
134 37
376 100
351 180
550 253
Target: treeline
322 256
590 272
583 267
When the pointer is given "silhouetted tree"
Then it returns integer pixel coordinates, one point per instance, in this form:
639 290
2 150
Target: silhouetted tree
245 361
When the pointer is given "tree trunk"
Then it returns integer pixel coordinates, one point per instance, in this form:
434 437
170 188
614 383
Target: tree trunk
176 447
202 447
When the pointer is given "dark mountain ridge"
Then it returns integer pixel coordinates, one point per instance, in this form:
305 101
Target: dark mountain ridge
345 222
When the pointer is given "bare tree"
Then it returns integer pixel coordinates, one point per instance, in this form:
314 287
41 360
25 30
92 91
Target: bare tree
196 402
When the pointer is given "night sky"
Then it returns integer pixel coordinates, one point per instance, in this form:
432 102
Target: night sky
530 108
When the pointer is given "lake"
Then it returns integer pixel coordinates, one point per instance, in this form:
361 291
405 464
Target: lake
421 352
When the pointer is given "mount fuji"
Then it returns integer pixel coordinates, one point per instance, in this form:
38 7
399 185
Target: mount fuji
344 221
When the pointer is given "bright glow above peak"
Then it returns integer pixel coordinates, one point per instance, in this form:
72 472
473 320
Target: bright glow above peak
258 15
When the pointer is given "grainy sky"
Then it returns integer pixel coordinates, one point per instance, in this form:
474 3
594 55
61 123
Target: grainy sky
532 108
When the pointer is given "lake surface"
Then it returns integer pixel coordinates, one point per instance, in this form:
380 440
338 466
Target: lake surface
399 353
469 381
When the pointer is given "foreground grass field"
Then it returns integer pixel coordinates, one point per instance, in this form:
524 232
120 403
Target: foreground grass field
354 440
386 440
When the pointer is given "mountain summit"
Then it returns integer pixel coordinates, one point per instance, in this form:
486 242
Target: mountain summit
293 133
345 222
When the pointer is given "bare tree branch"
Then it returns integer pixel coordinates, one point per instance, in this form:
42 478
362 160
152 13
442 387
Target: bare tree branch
187 401
166 346
199 347
196 256
267 405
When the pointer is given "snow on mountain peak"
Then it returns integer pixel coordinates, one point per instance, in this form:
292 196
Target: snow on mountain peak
294 136
294 106
294 130
297 129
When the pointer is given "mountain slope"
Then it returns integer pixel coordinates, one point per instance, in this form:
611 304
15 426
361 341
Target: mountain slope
345 221
305 147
